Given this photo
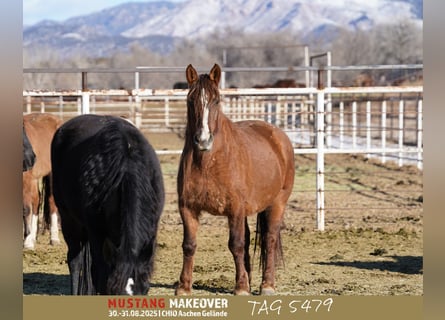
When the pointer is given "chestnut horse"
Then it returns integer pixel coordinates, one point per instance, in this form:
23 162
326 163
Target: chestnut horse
109 189
232 169
40 129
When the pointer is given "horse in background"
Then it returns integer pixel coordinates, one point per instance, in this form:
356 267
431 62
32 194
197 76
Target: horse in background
281 83
29 157
109 189
232 169
39 128
180 85
364 79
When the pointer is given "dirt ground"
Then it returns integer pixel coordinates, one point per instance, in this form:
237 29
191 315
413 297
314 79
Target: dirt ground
372 243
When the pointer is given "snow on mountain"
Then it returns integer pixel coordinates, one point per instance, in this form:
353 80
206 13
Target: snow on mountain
193 19
157 24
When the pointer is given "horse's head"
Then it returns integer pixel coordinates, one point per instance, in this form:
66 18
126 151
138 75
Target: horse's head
136 285
203 106
128 275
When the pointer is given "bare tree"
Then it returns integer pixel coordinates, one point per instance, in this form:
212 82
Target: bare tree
400 42
396 43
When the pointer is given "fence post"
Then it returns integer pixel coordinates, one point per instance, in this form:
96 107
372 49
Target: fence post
167 112
329 102
342 122
401 107
320 160
277 112
307 64
368 127
136 80
383 133
223 80
137 102
85 108
61 106
269 112
329 121
354 124
28 104
419 134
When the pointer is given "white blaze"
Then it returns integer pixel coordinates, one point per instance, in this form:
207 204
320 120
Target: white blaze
129 286
205 133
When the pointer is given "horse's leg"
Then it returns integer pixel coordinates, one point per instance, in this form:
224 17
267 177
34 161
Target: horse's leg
27 213
28 220
274 219
72 234
75 266
237 248
190 225
54 221
99 268
51 212
31 214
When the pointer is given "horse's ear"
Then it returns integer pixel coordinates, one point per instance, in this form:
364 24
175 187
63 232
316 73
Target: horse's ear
215 73
191 74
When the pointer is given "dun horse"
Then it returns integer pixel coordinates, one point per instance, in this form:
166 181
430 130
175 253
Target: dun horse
109 189
39 128
232 169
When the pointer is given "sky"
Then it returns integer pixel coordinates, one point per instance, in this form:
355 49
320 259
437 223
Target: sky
59 10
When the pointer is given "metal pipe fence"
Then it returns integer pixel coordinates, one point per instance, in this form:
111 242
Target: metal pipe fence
383 122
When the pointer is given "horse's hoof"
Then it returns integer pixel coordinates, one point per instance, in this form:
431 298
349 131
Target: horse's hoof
267 291
54 242
182 292
242 293
28 245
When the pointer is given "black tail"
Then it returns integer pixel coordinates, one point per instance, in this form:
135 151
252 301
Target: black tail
46 190
262 228
85 277
246 249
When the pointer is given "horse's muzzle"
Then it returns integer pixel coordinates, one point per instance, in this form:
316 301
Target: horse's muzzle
204 144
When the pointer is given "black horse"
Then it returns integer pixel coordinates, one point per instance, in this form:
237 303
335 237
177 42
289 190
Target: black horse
29 156
109 189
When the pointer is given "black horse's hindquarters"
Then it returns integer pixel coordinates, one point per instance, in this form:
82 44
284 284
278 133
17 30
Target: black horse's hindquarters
107 178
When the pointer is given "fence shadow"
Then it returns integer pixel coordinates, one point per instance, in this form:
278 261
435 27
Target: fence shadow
400 264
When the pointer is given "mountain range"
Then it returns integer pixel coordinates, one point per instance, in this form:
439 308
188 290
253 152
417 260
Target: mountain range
158 25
